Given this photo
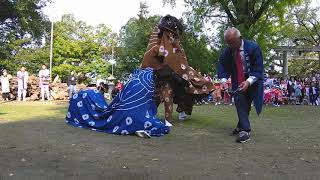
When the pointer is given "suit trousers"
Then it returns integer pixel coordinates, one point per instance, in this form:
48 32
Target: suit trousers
243 102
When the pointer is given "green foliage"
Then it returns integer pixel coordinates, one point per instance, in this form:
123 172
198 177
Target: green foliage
134 37
302 28
81 48
77 47
199 55
303 67
260 20
24 17
22 25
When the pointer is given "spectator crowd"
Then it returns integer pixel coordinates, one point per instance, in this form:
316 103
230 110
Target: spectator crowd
278 91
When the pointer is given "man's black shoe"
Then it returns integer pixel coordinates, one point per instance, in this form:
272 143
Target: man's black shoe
243 137
235 132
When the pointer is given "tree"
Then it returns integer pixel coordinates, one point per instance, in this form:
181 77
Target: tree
199 55
259 20
243 14
304 31
307 19
134 37
143 10
19 20
82 48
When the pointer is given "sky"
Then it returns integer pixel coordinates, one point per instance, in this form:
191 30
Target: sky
114 13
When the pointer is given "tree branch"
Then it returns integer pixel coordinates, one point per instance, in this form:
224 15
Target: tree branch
315 26
264 6
224 5
300 21
251 7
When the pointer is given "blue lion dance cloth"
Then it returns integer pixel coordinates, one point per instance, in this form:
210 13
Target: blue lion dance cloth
131 110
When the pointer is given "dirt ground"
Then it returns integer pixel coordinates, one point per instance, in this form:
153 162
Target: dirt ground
36 144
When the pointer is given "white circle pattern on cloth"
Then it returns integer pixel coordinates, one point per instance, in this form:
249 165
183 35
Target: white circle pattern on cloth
161 49
115 129
85 116
128 121
124 132
185 76
76 121
174 50
147 124
166 53
109 119
92 123
79 104
75 96
68 115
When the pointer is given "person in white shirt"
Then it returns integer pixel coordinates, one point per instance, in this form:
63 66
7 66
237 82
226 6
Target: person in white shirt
22 76
44 75
5 88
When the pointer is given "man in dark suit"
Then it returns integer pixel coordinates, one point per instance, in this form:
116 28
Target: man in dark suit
242 60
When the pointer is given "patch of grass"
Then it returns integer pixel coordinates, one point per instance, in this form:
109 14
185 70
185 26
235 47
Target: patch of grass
21 111
285 145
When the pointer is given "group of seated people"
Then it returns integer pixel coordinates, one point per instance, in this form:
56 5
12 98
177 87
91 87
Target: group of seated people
293 90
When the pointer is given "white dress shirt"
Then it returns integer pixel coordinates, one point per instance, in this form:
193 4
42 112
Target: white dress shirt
251 79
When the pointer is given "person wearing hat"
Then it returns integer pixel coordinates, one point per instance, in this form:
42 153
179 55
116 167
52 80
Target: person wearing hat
182 85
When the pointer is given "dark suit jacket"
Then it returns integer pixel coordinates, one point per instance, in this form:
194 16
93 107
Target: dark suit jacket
254 67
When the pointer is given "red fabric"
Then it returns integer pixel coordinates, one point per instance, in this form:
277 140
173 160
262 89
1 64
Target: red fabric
240 73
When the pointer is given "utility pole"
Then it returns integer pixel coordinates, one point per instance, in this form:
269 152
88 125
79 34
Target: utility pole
51 44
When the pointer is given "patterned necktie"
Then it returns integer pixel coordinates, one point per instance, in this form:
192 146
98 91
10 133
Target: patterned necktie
239 64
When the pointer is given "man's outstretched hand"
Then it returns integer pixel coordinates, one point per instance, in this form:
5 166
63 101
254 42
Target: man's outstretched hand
244 86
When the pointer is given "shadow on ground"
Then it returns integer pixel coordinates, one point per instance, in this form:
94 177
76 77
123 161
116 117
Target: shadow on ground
284 146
